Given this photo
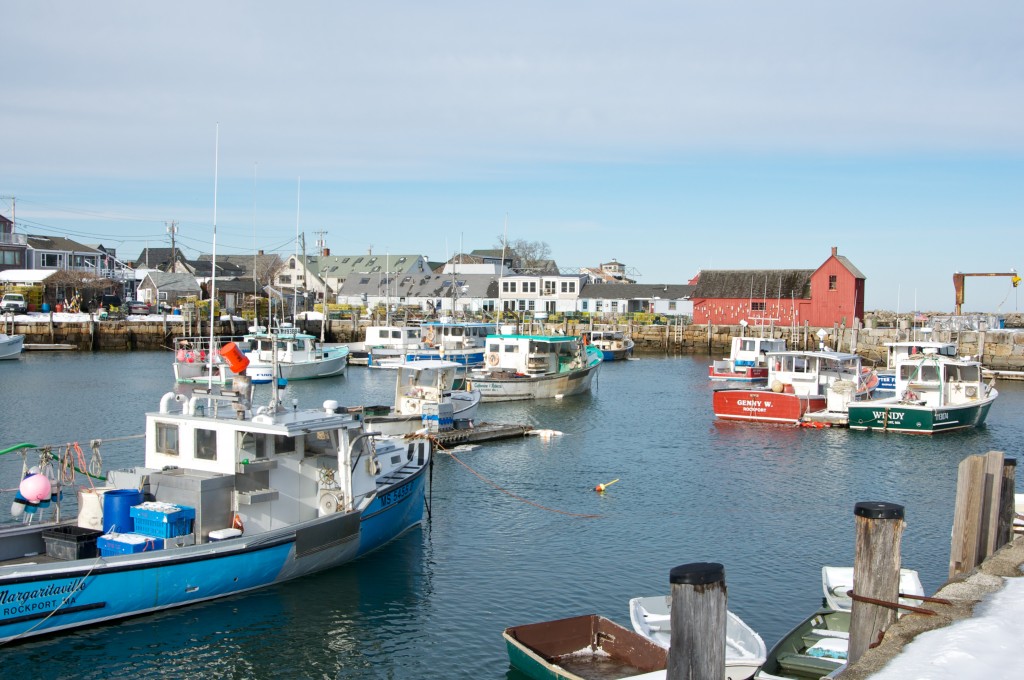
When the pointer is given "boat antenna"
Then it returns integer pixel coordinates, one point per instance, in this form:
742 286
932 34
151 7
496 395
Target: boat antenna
213 260
501 272
295 288
255 259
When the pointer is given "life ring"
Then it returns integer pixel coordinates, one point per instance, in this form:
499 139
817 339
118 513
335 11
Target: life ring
492 359
778 365
908 395
189 357
429 338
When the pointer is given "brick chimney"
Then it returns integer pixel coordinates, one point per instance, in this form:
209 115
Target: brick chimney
835 251
327 252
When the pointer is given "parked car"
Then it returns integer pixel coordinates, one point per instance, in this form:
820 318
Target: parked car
111 303
138 307
14 303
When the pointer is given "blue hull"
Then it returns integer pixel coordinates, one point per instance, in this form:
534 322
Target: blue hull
60 595
474 357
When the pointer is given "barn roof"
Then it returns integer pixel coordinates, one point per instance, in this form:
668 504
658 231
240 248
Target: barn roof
754 283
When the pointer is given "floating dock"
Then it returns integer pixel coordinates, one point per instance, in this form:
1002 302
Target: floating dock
481 432
42 347
825 419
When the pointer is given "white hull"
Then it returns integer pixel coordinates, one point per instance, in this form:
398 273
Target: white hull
745 651
11 346
307 370
540 387
463 406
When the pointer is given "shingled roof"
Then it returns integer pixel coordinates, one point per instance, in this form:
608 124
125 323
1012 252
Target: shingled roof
754 283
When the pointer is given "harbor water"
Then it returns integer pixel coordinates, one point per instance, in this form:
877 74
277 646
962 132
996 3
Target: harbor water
517 533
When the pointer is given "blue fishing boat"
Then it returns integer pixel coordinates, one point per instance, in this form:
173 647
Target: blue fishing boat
231 497
460 341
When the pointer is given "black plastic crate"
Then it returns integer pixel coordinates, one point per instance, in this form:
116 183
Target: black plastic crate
70 542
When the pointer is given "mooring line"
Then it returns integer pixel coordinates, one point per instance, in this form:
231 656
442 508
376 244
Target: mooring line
506 491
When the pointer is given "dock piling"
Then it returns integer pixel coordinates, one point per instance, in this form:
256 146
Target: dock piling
876 573
698 621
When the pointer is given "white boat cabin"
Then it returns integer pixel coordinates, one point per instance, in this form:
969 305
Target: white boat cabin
423 382
753 351
393 337
273 467
534 355
292 345
898 351
812 373
933 379
455 335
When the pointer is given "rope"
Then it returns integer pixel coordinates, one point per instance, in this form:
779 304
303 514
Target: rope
503 490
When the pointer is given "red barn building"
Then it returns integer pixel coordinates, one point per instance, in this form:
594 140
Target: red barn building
831 294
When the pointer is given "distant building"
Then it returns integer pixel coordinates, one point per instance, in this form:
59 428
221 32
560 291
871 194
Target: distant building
831 294
609 300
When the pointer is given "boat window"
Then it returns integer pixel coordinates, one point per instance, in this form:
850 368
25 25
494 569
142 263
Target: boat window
167 439
320 443
512 348
411 333
494 347
396 334
206 444
252 445
283 444
364 280
920 373
458 332
383 333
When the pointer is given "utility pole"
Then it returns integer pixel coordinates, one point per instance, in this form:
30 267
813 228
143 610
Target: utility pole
172 229
305 273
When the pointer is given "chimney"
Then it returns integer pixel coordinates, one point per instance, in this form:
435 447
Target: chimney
259 252
327 252
835 251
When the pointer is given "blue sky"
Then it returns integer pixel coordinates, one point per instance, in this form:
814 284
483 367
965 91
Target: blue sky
671 136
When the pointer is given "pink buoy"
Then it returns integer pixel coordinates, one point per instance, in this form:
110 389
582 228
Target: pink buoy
35 488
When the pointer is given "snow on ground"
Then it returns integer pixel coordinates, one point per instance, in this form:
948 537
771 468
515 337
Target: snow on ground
983 647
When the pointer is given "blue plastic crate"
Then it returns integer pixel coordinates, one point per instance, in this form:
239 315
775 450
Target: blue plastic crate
127 544
162 520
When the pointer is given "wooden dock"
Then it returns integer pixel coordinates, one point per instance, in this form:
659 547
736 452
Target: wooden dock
481 432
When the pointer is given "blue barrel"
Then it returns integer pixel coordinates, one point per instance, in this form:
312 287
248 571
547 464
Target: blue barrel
117 504
46 307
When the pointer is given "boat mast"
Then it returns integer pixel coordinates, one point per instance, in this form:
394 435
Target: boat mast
501 272
213 260
255 260
295 287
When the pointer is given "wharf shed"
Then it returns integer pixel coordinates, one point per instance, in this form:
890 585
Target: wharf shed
831 294
611 299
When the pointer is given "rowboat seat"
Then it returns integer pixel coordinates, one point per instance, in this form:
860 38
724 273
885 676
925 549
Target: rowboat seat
804 666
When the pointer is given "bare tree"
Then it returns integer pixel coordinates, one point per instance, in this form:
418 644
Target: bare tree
266 269
527 256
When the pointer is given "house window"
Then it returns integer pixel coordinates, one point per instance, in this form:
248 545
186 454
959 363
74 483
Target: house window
615 305
832 284
51 260
286 278
162 295
167 439
291 264
206 444
583 306
531 305
671 306
757 306
549 287
568 286
11 257
598 305
529 286
508 286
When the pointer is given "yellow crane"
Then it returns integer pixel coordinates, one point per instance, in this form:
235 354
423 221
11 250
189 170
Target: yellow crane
958 285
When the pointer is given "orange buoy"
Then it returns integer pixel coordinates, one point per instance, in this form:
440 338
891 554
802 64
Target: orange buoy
236 360
601 487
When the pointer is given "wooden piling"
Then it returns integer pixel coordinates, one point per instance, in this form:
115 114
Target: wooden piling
698 619
978 493
876 573
1006 501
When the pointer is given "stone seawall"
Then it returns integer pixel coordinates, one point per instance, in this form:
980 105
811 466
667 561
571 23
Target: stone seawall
999 349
